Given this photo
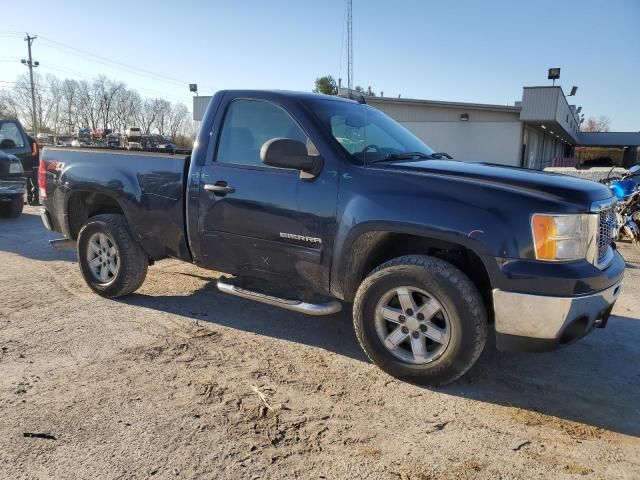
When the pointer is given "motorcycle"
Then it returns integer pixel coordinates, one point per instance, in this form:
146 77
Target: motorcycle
627 190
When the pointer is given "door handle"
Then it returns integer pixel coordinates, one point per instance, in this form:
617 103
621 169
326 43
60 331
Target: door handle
219 188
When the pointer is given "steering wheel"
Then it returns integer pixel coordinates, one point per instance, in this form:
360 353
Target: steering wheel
370 146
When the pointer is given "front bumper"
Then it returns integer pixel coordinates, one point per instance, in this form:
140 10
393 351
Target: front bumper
12 187
531 323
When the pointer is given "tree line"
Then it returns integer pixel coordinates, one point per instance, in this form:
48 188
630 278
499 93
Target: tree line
328 85
66 105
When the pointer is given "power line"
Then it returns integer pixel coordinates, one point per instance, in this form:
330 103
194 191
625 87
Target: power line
91 77
113 63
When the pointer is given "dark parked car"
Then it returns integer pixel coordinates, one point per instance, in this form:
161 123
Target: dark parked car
15 141
311 202
12 186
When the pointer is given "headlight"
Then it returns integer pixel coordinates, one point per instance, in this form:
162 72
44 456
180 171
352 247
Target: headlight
561 237
15 167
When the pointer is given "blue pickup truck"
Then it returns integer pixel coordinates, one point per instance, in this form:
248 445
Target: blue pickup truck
311 202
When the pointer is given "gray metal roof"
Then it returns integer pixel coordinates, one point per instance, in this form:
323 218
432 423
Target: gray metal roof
609 139
440 103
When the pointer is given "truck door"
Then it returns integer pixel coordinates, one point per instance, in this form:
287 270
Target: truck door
258 221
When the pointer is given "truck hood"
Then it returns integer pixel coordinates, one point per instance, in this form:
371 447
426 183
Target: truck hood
551 185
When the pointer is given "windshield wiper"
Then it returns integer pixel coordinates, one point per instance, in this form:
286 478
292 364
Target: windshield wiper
401 156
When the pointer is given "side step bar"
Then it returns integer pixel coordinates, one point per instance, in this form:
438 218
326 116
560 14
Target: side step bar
294 305
62 243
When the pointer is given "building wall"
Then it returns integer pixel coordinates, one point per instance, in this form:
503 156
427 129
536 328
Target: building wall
541 148
489 135
494 142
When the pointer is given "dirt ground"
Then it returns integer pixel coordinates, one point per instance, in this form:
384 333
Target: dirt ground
165 384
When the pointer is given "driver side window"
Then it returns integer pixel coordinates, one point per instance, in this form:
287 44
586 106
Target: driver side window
248 124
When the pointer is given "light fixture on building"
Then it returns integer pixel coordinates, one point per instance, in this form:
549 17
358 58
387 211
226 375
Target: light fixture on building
574 89
551 132
554 74
543 127
464 117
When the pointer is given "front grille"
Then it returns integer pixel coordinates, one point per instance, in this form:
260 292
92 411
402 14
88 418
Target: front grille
607 227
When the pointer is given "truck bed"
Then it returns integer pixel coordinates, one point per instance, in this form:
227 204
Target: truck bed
148 187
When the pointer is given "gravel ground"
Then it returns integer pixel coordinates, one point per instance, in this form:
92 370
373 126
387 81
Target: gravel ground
164 383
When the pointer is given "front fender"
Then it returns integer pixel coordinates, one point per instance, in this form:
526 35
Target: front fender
487 231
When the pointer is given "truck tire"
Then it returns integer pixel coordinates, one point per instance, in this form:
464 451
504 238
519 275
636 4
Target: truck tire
12 209
420 319
112 263
16 207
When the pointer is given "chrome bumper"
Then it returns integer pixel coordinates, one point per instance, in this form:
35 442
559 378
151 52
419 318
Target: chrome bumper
542 317
12 187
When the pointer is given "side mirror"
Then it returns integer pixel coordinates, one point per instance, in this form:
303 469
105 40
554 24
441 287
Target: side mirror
286 153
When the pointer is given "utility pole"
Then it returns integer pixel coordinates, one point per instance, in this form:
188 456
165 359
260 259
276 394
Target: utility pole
349 46
31 64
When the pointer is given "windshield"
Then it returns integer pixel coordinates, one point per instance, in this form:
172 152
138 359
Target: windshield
366 133
10 136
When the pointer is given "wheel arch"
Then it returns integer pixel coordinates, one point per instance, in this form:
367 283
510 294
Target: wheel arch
83 204
372 248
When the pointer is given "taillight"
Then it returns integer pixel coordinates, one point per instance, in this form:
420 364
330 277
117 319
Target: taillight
42 178
34 148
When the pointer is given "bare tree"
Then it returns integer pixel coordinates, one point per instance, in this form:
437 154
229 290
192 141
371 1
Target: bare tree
89 104
49 103
163 115
600 124
107 90
21 98
177 119
69 104
64 105
148 114
7 105
127 106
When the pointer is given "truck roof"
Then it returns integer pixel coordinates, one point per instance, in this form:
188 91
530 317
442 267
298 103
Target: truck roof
291 94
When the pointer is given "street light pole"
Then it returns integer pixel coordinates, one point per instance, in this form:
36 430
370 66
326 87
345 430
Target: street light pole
30 63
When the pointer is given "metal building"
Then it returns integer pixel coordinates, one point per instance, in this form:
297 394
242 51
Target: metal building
538 131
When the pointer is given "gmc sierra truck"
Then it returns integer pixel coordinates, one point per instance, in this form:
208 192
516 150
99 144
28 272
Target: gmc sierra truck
310 202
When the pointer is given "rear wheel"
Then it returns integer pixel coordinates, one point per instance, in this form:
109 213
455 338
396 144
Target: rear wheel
420 319
112 263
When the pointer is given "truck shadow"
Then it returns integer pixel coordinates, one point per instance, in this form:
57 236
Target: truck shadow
595 381
27 237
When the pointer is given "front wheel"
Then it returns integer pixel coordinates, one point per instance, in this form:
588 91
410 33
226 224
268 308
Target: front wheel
112 263
420 319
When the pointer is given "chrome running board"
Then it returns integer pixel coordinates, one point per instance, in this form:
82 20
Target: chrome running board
62 243
294 305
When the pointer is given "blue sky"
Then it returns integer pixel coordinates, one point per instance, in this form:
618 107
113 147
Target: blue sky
476 51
